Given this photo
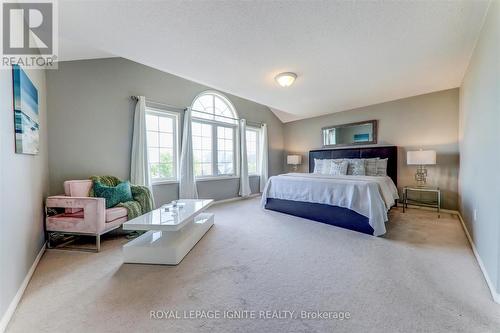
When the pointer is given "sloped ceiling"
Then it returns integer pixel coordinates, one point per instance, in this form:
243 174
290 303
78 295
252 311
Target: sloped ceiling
346 54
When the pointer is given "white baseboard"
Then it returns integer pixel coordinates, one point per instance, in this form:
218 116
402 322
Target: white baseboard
494 294
15 301
235 199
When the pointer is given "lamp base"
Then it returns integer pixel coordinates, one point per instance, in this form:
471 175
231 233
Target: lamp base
421 176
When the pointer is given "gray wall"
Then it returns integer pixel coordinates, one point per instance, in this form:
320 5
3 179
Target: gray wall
480 145
91 121
427 121
23 187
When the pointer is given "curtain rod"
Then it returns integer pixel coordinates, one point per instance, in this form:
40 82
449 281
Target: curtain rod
135 98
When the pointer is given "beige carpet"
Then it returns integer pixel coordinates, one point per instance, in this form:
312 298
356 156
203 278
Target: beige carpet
421 277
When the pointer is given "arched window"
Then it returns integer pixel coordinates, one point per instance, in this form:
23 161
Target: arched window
214 135
214 106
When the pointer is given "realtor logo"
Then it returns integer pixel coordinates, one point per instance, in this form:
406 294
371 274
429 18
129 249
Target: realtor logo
29 33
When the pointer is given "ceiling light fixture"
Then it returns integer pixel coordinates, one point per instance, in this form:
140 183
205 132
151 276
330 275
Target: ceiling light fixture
286 79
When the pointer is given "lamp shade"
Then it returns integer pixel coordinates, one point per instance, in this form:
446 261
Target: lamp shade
294 159
421 157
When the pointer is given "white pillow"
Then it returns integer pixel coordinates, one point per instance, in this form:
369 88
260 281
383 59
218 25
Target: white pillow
323 166
339 168
320 166
371 166
382 167
356 167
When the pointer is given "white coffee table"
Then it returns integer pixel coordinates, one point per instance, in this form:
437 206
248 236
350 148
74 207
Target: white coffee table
170 235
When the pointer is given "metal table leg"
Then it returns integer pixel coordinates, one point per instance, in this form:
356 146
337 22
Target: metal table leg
439 203
404 200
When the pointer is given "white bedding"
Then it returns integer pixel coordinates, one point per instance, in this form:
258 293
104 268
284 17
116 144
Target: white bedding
370 196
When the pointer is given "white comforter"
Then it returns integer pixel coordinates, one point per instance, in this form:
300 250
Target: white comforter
366 195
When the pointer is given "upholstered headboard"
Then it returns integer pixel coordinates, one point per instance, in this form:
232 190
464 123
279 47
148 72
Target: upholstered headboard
389 152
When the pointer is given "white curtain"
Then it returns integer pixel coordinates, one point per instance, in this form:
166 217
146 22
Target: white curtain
187 181
139 169
264 163
245 190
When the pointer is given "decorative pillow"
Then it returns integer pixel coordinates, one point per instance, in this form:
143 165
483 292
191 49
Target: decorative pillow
339 168
356 167
319 166
371 166
382 167
113 195
323 166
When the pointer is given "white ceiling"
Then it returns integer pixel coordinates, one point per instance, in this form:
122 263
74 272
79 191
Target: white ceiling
346 54
70 49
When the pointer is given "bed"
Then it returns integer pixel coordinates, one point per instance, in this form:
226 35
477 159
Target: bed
358 203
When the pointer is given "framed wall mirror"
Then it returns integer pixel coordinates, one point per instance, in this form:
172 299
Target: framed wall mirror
360 133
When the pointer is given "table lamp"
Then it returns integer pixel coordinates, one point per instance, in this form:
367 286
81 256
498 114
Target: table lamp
294 160
421 158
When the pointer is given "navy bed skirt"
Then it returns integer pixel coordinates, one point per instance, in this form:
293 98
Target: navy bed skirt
334 215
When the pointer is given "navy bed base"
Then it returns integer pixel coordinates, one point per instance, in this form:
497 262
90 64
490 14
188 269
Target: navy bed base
334 215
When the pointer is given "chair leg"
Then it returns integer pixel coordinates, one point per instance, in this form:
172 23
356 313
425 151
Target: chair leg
98 242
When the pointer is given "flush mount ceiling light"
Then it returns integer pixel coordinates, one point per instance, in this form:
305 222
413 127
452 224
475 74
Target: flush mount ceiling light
285 79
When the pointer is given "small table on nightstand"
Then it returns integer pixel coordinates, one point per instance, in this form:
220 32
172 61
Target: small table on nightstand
422 189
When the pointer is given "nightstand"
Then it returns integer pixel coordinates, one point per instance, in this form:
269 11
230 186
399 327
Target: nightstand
425 203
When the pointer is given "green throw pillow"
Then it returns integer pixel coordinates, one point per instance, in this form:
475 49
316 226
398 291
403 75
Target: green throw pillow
113 194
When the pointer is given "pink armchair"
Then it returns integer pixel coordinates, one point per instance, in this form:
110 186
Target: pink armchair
83 215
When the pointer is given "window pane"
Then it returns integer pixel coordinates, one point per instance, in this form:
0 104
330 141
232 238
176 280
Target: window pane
165 170
251 136
220 105
206 130
166 140
206 169
223 109
196 128
153 156
166 155
225 150
252 151
229 156
197 169
202 115
252 167
160 142
196 142
166 124
207 156
197 105
153 169
225 168
220 144
206 143
197 154
202 149
152 138
151 122
207 103
225 133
